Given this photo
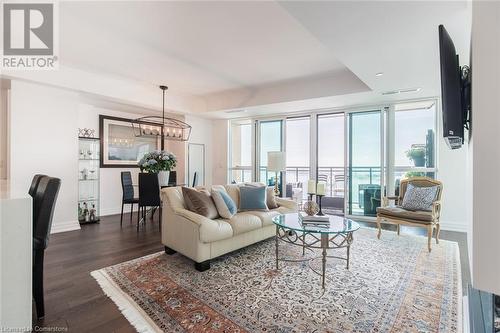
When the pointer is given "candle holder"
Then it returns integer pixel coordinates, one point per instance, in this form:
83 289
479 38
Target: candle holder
311 196
320 196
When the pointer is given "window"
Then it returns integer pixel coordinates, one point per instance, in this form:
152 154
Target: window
412 141
360 154
270 139
240 169
297 157
331 154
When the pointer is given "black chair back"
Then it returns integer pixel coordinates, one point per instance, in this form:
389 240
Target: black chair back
195 179
127 187
34 184
43 208
149 190
172 178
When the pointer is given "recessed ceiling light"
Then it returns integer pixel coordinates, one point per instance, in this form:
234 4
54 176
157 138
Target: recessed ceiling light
379 74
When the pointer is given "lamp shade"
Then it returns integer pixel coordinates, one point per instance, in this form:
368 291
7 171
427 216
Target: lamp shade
276 161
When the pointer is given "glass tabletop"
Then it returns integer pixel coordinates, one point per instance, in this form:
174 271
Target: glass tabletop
338 224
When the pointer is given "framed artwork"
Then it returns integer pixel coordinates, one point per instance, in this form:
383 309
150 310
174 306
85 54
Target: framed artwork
120 148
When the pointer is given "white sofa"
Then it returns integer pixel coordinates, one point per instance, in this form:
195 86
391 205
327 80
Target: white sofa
202 239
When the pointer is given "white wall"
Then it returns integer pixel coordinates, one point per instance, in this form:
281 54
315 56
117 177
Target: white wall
452 171
43 139
220 152
486 150
110 181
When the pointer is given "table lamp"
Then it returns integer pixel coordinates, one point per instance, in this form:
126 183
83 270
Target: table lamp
276 161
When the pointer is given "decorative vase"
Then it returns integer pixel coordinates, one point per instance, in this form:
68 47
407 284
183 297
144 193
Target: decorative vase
311 208
163 177
419 161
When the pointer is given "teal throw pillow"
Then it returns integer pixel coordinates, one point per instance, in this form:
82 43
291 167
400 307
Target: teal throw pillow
253 198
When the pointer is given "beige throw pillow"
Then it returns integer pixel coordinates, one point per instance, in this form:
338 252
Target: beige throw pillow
200 202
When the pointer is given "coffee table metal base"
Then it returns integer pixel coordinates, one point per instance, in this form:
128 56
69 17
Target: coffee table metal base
312 240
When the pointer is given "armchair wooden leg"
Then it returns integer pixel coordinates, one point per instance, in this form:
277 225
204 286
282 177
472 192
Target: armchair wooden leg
438 229
429 236
379 227
398 228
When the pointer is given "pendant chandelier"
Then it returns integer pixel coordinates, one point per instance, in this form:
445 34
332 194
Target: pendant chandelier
162 127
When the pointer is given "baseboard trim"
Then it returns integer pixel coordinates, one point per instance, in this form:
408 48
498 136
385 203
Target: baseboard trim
451 226
117 210
64 226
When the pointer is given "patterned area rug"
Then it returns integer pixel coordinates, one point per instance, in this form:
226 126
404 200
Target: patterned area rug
392 285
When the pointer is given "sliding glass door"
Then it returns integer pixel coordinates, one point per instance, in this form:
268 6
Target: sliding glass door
331 161
270 136
365 161
298 148
360 154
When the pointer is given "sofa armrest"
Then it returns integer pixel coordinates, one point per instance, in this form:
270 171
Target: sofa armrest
287 203
210 230
192 217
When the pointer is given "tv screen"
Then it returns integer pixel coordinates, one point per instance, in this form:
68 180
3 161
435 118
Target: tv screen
451 95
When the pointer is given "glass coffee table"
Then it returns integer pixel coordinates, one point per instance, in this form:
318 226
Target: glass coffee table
335 235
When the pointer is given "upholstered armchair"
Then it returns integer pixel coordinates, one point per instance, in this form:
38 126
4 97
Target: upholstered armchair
398 215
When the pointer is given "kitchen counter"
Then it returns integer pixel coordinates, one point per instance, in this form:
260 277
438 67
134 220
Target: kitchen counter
15 259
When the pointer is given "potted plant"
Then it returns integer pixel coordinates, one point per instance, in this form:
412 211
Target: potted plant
159 162
417 155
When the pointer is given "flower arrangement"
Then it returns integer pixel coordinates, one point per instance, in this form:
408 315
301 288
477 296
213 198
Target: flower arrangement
156 161
417 155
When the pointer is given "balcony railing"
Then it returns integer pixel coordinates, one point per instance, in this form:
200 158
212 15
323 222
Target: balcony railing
335 177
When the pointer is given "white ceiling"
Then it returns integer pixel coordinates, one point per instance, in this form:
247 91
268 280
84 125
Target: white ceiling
261 54
196 47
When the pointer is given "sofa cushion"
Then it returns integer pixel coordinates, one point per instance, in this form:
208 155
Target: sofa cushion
419 198
243 222
266 217
225 205
215 231
399 212
200 202
253 198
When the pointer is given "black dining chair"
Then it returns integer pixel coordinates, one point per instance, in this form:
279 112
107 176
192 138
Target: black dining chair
34 184
149 195
172 178
128 197
195 178
43 207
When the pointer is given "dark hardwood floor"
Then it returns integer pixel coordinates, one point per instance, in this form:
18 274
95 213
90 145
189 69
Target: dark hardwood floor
73 299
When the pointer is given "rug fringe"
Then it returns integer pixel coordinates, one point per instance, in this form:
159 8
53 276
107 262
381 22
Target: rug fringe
132 312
